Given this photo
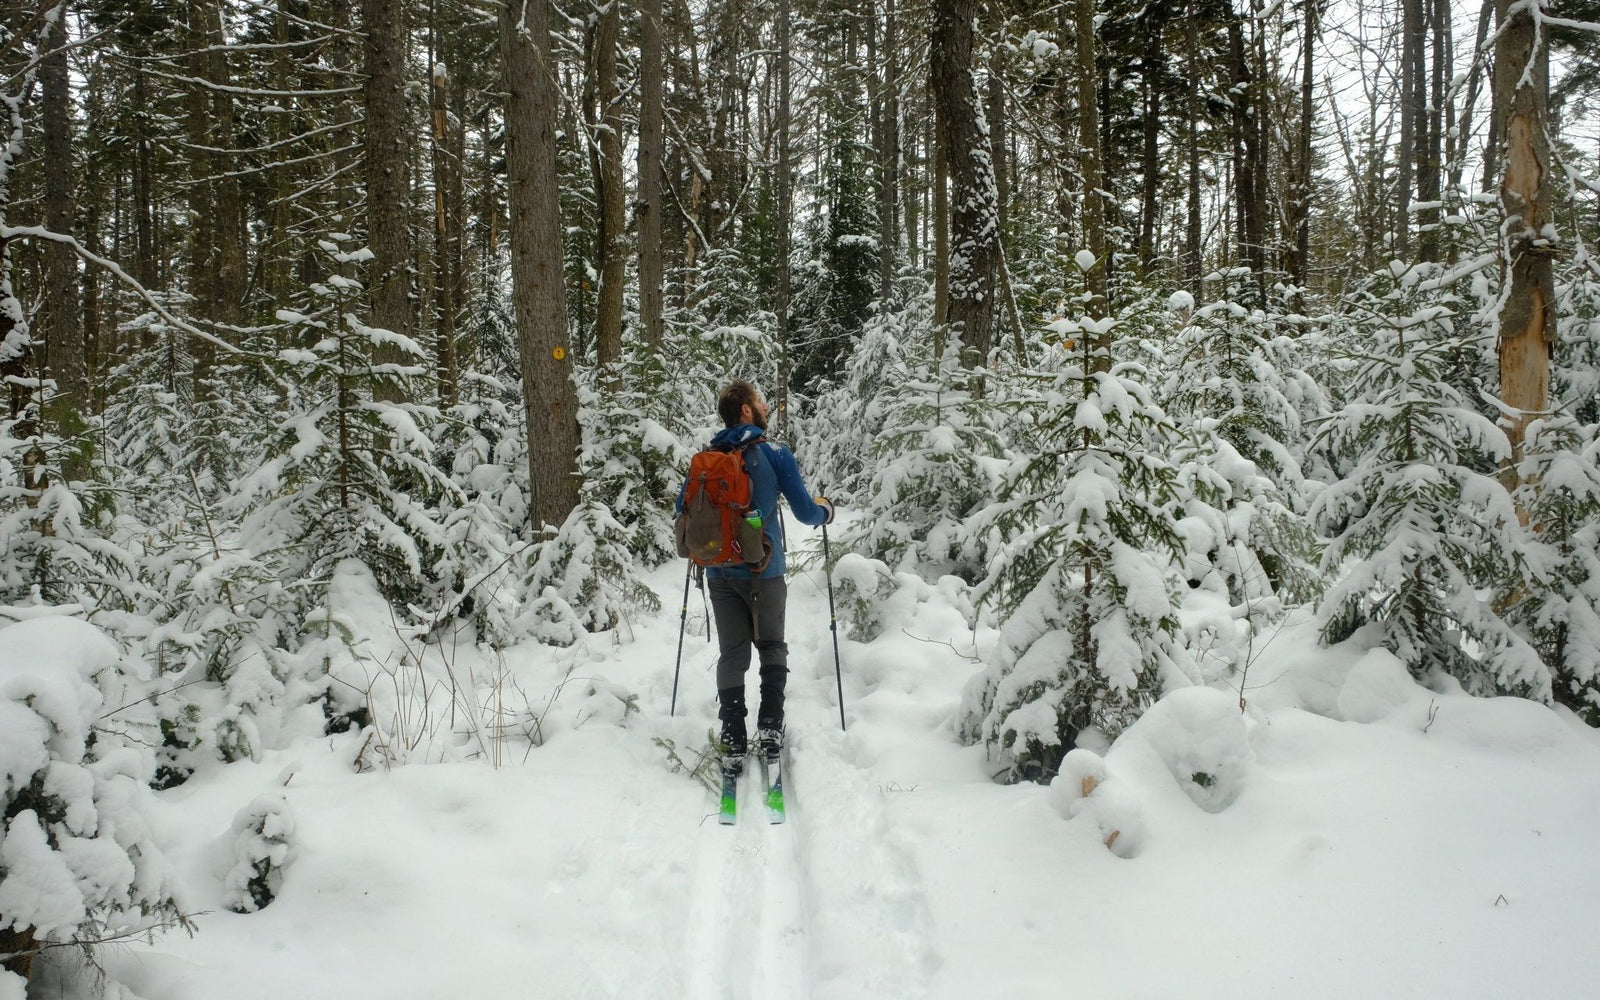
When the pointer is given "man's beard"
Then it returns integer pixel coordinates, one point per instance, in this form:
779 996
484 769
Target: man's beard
758 418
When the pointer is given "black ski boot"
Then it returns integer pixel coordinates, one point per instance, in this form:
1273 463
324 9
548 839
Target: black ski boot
735 743
769 719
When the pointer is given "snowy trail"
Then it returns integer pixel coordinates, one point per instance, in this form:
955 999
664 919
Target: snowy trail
863 895
747 932
785 933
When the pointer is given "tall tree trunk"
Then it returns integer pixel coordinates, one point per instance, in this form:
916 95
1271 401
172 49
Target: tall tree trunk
913 169
1527 316
1153 66
1457 149
941 242
1192 229
1431 126
607 149
62 330
974 216
996 112
536 262
446 236
785 213
1300 262
1094 212
1248 149
145 264
227 199
650 149
200 265
889 157
204 241
1413 88
279 266
388 156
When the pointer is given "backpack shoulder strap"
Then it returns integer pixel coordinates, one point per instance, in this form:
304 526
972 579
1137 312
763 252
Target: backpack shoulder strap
751 449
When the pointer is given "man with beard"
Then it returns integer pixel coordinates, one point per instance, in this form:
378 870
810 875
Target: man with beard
749 606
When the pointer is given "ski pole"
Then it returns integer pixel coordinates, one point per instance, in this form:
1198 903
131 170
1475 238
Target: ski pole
683 622
833 624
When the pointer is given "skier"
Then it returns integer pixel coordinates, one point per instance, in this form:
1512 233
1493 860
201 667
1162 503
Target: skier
749 608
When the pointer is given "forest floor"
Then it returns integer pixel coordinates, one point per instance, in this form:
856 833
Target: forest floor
1380 840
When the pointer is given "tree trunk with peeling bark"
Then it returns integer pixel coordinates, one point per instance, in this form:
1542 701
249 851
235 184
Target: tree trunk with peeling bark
1527 316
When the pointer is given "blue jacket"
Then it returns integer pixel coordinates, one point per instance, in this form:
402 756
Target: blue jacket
772 470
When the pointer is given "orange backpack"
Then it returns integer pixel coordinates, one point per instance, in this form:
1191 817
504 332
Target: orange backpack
719 524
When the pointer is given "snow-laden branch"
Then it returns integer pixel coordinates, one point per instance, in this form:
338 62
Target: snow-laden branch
41 233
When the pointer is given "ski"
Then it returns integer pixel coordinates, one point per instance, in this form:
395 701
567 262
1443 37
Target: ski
729 813
772 769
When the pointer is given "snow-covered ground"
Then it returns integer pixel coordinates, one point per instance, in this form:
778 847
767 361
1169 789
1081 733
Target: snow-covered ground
1349 835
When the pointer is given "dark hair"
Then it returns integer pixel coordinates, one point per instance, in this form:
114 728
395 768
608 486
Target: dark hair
734 398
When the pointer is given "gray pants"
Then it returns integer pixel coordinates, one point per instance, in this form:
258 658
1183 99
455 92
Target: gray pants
736 608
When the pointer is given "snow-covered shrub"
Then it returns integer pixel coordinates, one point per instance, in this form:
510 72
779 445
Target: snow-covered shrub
348 473
583 579
1085 578
263 848
1419 525
861 587
78 861
837 441
1559 608
934 462
632 454
1201 738
1237 387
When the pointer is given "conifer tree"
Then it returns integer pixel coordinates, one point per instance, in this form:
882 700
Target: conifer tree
1418 525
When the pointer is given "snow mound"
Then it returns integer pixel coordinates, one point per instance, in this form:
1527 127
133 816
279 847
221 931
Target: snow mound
1085 789
1200 738
1377 685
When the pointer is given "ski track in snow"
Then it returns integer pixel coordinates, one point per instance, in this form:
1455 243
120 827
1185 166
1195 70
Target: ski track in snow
828 905
866 904
748 922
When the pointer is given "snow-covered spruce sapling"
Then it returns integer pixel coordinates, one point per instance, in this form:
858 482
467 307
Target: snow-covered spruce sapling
1420 528
54 510
1085 580
78 861
1235 389
263 848
837 440
861 587
1575 367
348 474
584 579
632 454
934 461
1559 608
